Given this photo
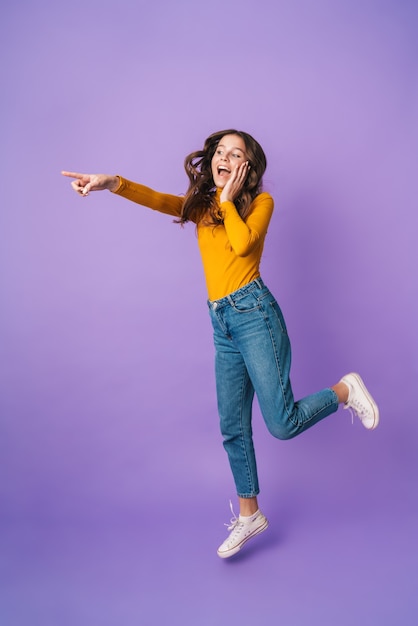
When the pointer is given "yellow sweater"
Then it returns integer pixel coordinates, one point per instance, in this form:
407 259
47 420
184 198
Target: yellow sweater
231 253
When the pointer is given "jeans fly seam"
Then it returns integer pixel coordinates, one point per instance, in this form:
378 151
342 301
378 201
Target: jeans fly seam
222 324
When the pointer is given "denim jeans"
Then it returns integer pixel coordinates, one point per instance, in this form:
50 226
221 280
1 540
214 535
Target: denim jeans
252 354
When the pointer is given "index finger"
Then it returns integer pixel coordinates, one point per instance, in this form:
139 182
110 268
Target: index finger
72 174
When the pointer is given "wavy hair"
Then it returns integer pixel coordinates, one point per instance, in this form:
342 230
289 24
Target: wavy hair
199 201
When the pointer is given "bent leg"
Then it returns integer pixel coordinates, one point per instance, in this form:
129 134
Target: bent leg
267 354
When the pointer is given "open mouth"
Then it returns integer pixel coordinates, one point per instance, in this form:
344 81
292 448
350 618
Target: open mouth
223 171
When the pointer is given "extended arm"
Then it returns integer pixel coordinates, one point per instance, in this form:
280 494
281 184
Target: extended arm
162 202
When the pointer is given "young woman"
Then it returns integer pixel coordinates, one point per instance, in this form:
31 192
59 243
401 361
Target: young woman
252 347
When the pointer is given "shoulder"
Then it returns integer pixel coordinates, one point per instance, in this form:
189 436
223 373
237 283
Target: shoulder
264 199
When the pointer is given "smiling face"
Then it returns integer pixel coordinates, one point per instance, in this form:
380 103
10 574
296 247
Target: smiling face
229 154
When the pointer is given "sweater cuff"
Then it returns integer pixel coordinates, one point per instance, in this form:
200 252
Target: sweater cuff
121 185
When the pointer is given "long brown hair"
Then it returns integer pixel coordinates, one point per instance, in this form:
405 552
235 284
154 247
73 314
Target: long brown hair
200 200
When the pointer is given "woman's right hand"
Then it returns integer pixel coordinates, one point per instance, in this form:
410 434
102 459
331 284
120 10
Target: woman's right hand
84 183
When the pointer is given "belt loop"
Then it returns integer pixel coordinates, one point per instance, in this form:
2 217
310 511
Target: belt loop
258 283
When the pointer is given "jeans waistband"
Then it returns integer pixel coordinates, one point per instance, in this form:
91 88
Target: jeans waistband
231 298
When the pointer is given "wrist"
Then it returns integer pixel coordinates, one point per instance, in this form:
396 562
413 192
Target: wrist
113 183
224 198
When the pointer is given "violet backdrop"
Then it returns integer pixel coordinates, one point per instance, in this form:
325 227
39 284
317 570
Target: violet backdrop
114 485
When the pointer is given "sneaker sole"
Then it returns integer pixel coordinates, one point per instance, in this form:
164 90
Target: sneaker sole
370 399
237 548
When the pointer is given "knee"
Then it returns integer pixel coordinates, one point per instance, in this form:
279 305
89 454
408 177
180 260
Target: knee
283 431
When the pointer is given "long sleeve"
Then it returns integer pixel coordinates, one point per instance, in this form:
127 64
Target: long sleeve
245 236
162 202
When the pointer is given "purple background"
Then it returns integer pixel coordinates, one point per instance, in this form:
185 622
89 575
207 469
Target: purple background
114 484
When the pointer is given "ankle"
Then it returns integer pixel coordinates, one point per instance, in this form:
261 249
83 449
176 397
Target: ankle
247 519
248 506
342 391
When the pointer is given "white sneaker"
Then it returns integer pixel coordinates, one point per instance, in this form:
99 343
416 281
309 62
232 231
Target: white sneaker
360 401
242 529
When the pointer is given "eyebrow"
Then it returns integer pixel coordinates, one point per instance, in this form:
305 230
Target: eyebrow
221 145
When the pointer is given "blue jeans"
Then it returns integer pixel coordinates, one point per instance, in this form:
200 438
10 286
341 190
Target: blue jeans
253 355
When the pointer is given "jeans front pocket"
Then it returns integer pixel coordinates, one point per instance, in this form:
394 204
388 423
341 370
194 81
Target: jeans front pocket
249 302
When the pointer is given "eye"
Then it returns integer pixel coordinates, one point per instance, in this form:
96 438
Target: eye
236 156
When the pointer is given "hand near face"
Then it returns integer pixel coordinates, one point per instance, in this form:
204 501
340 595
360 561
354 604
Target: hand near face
84 183
235 183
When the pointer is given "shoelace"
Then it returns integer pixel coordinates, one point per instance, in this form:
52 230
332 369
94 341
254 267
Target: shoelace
358 410
234 522
351 413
